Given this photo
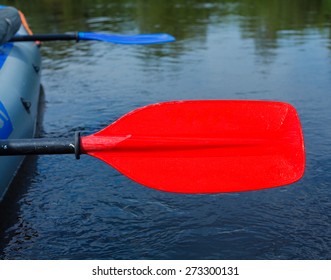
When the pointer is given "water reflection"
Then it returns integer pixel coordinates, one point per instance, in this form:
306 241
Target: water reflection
266 22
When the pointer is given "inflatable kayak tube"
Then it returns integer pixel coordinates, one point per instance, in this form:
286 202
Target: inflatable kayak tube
20 65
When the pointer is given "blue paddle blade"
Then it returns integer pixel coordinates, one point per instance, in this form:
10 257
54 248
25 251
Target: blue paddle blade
141 39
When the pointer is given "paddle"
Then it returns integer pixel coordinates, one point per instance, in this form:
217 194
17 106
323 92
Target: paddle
141 39
193 146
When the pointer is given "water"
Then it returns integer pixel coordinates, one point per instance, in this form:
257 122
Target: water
60 208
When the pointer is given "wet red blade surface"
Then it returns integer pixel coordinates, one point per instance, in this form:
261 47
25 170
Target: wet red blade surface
205 146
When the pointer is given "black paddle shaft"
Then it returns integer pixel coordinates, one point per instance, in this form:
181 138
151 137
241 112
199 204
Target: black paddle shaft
38 146
45 37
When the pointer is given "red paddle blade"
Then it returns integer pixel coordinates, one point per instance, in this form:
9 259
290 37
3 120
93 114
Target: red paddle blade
204 146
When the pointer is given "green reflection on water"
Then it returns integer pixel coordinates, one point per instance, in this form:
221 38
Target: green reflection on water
179 16
265 22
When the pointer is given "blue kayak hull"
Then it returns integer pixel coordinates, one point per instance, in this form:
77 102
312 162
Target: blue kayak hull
20 65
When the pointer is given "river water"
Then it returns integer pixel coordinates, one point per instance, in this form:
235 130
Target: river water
61 208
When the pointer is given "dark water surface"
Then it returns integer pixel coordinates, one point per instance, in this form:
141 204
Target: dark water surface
60 208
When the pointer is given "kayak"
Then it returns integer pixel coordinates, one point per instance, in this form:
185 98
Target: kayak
20 65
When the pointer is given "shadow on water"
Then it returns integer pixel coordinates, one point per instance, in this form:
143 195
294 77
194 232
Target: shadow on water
11 221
